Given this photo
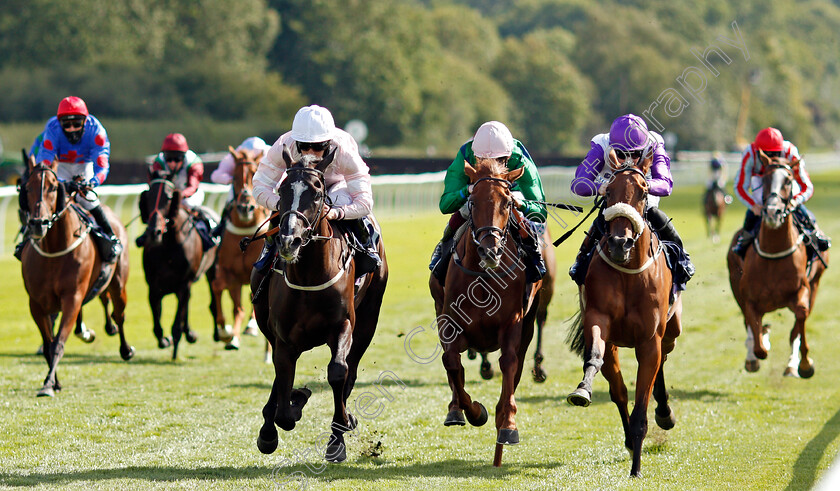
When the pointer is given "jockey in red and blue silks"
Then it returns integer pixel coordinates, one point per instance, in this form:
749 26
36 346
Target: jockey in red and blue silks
80 143
748 188
631 140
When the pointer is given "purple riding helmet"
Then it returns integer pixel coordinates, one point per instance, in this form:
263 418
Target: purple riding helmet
629 133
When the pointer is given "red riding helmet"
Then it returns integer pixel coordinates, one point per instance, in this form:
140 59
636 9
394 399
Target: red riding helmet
769 140
175 142
72 106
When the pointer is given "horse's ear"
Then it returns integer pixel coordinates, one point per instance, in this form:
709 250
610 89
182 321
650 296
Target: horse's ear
613 160
514 174
232 151
765 160
258 156
30 162
54 165
174 204
470 171
287 156
646 163
327 160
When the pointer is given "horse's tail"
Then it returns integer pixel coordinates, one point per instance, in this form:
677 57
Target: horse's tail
574 338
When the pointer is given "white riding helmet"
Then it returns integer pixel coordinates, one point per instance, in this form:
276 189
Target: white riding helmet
492 140
313 124
254 143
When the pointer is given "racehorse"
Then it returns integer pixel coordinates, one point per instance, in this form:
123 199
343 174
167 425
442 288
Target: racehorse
233 266
714 204
62 267
312 300
173 258
486 262
775 272
625 303
546 294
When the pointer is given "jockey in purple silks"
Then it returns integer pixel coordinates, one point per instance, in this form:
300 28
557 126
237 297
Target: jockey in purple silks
630 139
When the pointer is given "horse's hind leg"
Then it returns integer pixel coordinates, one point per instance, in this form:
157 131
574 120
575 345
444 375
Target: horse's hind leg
538 373
82 332
155 304
805 367
110 327
663 414
486 368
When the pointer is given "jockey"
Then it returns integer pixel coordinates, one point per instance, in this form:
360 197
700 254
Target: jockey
717 169
631 140
347 179
185 170
224 173
492 140
748 188
80 143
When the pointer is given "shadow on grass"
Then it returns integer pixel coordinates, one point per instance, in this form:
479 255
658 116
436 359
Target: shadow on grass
317 386
603 397
95 359
805 468
296 473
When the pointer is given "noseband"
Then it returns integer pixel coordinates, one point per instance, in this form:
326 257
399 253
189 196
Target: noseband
775 194
481 233
309 230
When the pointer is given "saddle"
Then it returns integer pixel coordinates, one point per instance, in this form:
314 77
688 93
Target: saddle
102 242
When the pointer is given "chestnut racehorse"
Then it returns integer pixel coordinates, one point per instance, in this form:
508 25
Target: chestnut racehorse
625 303
312 300
546 294
173 258
233 266
486 263
775 273
61 267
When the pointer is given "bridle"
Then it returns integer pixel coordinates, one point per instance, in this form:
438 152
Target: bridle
244 198
60 208
308 233
638 233
164 190
775 194
481 233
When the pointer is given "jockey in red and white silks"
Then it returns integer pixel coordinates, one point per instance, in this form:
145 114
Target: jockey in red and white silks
748 186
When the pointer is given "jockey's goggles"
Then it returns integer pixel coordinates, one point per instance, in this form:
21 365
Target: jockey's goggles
317 146
173 156
622 155
774 154
72 122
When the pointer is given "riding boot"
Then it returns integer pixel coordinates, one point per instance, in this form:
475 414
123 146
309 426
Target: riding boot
808 225
443 246
750 230
365 233
266 259
665 229
535 268
112 248
579 268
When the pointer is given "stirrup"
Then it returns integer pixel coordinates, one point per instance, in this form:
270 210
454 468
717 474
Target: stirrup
436 255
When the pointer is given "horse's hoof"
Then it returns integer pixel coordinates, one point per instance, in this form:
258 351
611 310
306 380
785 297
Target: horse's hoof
580 397
164 342
486 371
336 453
455 418
190 336
223 334
297 400
471 354
111 329
665 422
751 366
267 446
807 373
482 415
508 437
46 392
127 353
233 344
87 335
539 375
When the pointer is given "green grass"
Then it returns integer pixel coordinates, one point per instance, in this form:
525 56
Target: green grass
192 424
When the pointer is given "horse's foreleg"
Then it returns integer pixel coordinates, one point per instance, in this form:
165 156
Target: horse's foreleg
486 368
337 377
663 414
181 318
288 412
752 321
805 365
618 389
267 439
649 356
235 292
221 331
70 306
105 298
475 412
595 330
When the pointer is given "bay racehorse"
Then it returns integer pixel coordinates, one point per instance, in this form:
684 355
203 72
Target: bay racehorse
313 299
233 266
62 267
625 303
714 204
487 304
775 272
173 258
546 294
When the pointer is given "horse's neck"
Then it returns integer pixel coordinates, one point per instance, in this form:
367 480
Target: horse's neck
319 258
644 249
775 240
63 232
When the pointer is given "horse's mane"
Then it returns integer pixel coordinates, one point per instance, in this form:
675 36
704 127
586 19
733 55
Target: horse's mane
493 166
